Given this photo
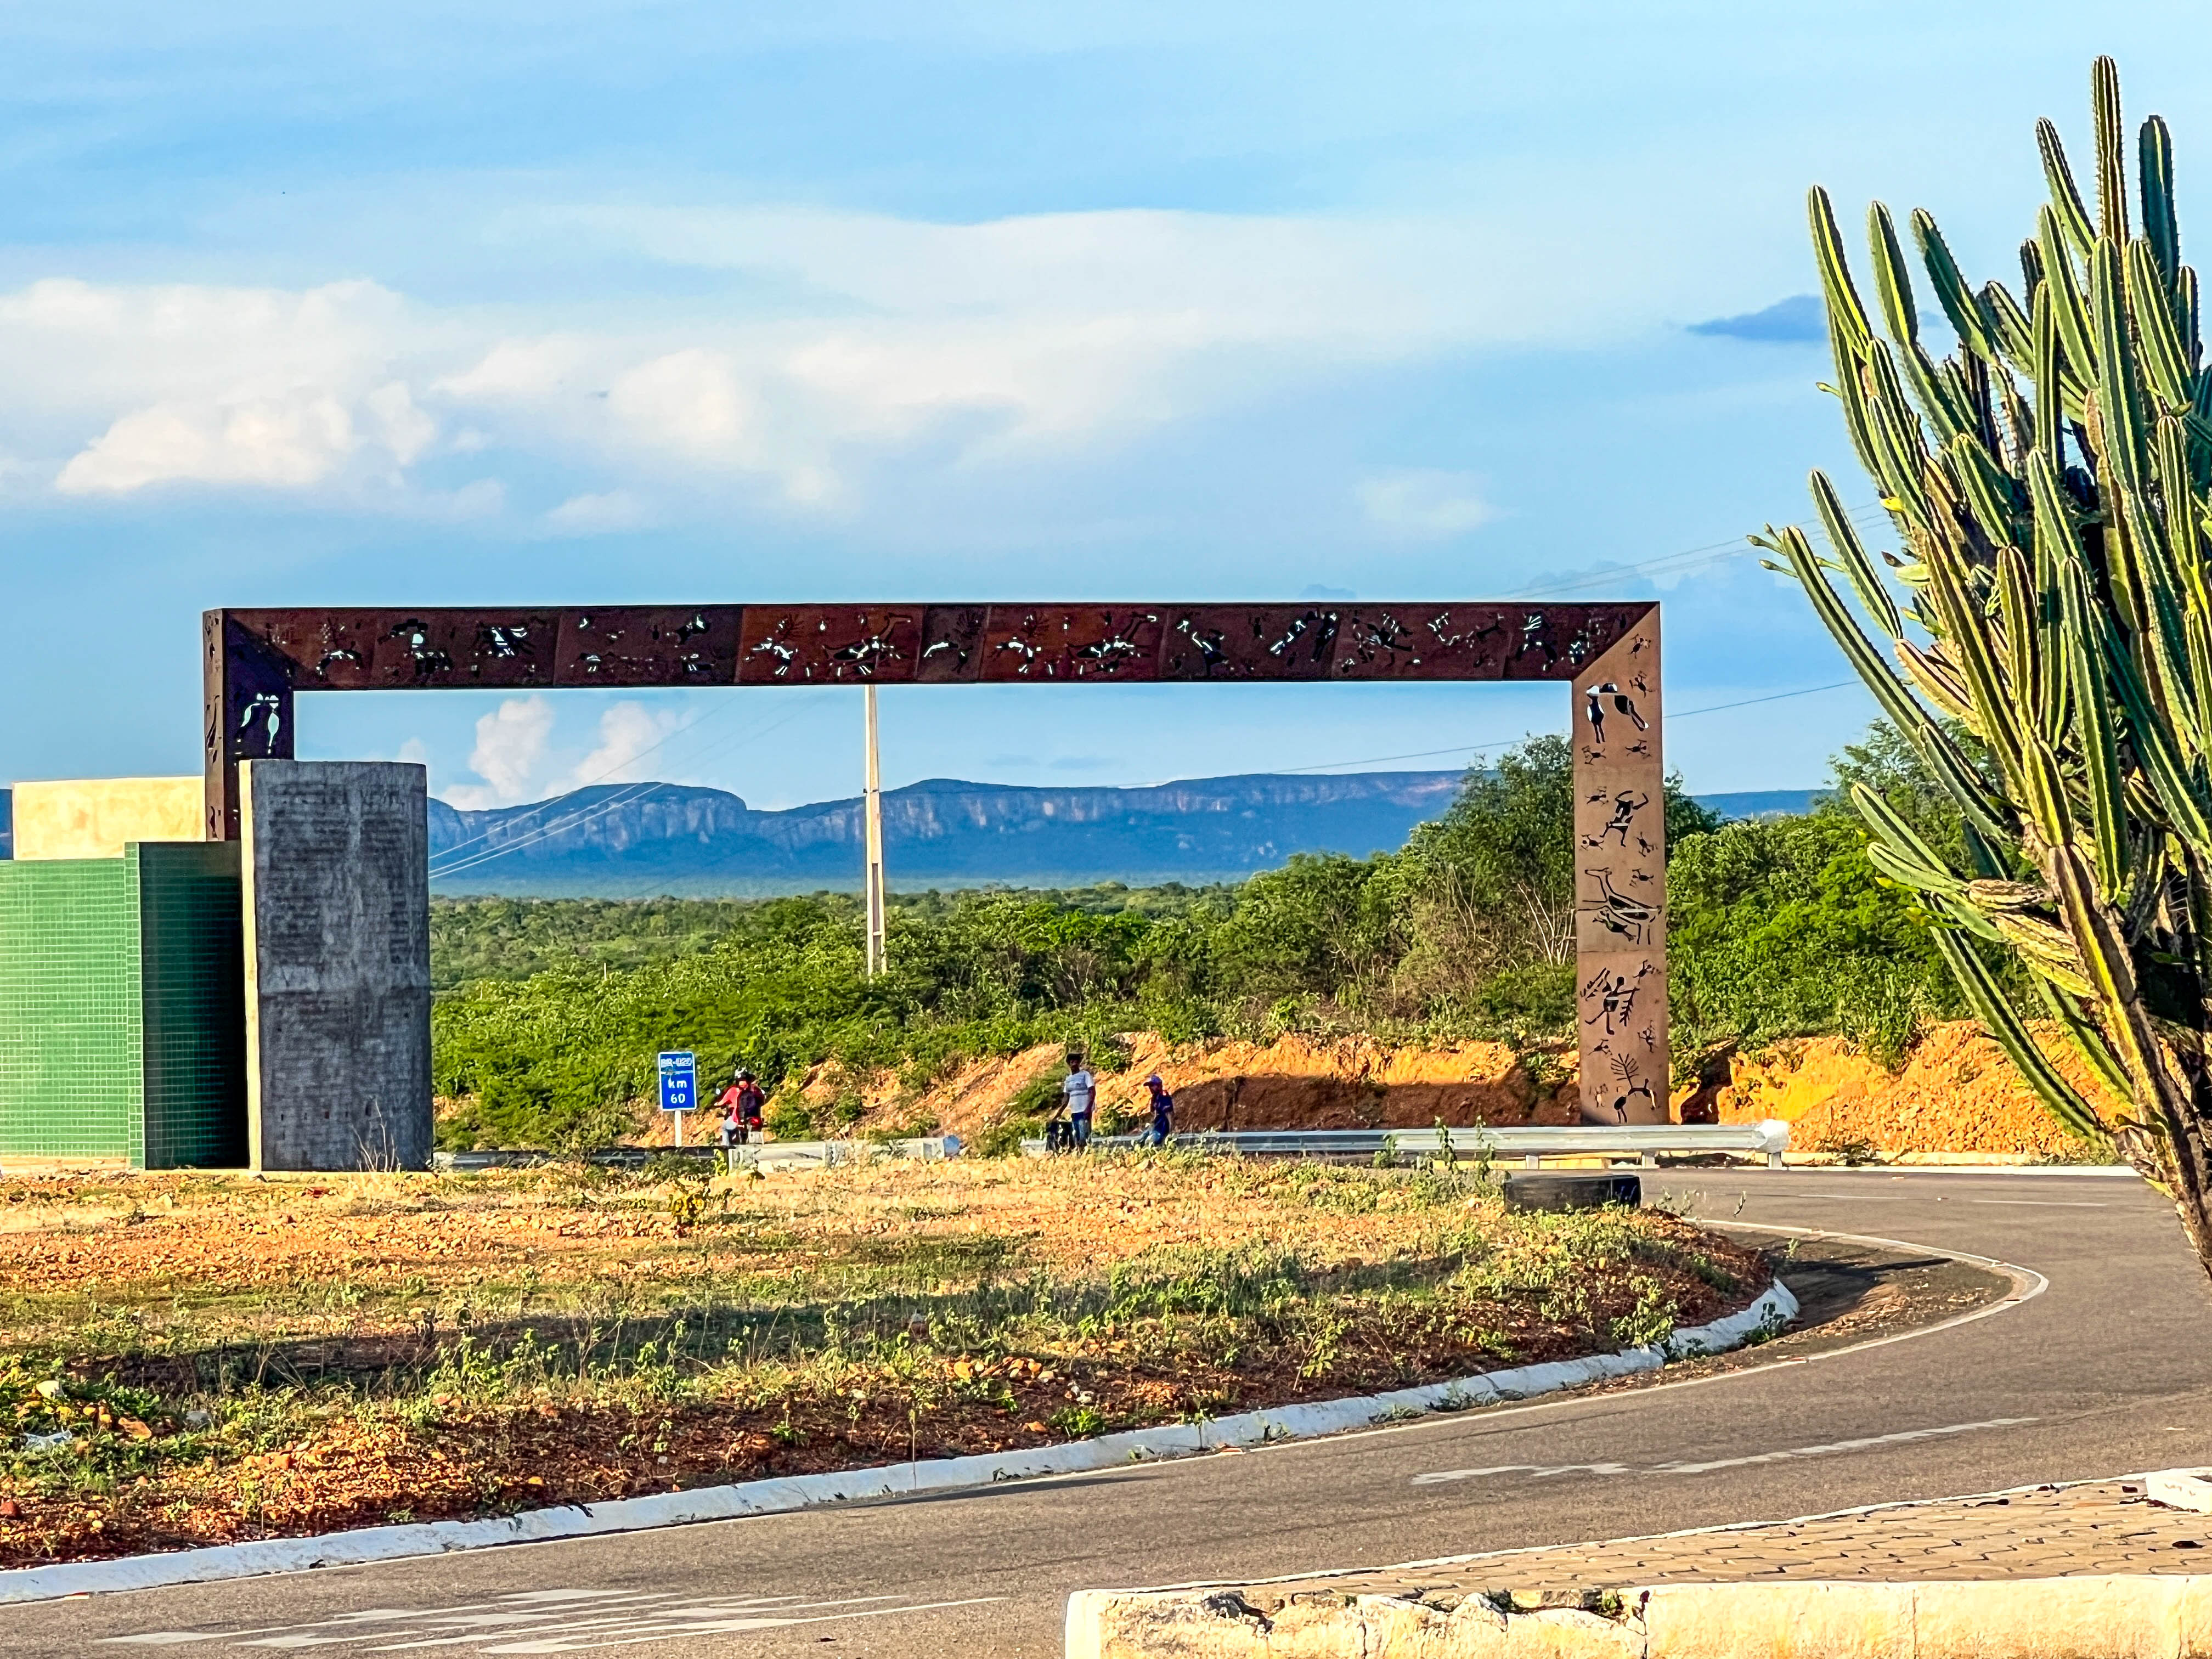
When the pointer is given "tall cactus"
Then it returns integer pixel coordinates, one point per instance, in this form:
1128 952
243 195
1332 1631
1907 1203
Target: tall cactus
2051 481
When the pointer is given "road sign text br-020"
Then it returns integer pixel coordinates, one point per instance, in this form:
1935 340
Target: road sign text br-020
679 1083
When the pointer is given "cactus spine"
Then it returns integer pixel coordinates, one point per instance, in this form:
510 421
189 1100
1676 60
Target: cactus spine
2051 481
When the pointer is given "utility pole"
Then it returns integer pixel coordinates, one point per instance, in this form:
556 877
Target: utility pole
875 818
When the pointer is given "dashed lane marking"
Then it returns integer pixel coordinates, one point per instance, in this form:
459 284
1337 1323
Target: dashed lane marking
542 1621
1835 1447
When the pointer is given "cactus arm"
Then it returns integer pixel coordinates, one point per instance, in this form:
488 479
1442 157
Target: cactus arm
1972 319
2009 325
2165 364
2061 1097
2087 1037
1943 757
1866 581
2112 166
2121 415
2155 180
2065 200
2100 763
2067 308
1893 282
2177 796
2050 398
2184 292
2023 635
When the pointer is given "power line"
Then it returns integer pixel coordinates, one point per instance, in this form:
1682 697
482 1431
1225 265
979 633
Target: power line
1716 553
600 809
713 711
1502 743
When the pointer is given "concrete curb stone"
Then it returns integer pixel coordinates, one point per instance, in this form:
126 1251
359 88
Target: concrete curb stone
1773 1308
2093 1616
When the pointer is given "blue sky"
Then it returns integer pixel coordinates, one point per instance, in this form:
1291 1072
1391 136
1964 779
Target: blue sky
426 304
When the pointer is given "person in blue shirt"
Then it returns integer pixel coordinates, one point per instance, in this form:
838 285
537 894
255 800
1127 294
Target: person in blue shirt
1081 1090
1163 1112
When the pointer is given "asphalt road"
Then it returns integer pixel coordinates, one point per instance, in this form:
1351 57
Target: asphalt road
2106 1371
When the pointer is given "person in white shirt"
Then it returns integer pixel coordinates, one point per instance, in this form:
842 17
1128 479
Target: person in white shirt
1079 1090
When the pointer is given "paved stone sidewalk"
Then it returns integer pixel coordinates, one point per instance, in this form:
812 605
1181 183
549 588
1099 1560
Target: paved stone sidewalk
2041 1532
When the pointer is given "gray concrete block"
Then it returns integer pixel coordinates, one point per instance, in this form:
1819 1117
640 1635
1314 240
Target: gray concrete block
336 893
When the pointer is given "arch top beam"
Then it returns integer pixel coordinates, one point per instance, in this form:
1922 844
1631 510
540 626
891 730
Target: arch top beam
987 642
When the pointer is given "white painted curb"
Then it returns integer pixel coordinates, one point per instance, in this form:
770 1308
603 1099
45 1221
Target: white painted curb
1774 1308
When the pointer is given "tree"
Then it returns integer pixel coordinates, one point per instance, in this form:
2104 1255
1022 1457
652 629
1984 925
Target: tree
1490 886
2049 481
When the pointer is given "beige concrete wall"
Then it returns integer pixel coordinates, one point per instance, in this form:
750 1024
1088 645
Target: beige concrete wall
93 818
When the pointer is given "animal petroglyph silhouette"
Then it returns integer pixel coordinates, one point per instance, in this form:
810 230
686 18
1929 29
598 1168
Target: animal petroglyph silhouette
1609 698
1618 912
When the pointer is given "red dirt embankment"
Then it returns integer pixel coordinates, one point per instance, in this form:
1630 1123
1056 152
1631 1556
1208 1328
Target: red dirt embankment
1294 1082
1956 1094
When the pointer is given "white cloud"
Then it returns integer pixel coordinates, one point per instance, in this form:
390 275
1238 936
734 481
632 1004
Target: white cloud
969 344
261 441
509 755
627 731
1425 503
597 514
253 387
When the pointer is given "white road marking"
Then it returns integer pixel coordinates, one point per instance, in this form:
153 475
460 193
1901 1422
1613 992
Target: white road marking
546 1621
2047 1203
1545 1471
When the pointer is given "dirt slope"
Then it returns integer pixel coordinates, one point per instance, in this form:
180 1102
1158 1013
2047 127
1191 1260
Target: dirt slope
1957 1093
1294 1082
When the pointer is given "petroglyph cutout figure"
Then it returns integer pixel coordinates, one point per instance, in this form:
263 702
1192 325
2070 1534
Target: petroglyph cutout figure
1618 912
1626 805
1620 1104
270 709
1609 698
1532 638
428 659
1615 995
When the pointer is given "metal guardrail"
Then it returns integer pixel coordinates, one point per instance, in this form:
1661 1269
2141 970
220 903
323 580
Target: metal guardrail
765 1154
1532 1146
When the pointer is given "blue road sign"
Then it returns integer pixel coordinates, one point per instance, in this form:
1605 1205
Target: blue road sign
679 1082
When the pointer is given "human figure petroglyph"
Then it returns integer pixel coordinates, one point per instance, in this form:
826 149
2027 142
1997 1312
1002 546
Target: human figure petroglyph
1616 995
1626 803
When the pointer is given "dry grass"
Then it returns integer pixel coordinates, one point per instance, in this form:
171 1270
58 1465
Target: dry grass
231 1358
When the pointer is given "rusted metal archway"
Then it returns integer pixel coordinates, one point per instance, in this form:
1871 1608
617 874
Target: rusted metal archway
257 661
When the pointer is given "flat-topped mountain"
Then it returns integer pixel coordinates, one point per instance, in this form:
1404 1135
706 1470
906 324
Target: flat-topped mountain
636 840
611 840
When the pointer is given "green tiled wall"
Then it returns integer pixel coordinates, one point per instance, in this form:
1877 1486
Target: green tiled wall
70 1030
193 999
122 1020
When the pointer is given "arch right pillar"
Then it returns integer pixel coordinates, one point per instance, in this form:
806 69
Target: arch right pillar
1621 881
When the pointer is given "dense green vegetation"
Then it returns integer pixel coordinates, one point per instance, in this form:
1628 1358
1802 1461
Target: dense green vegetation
1780 927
